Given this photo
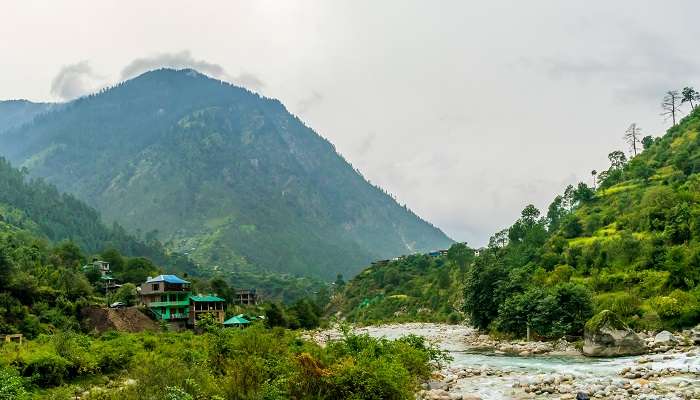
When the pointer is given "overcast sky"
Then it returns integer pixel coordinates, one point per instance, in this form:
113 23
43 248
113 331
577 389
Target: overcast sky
466 111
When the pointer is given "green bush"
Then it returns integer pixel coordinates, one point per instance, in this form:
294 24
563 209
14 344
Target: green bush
47 369
622 303
11 385
666 306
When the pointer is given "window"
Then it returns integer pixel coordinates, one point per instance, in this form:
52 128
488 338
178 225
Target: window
155 287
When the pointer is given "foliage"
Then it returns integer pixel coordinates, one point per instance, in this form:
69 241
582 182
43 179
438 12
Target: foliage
11 385
251 363
550 313
631 246
411 288
37 207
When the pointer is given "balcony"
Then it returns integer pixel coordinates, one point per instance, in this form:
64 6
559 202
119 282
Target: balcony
181 303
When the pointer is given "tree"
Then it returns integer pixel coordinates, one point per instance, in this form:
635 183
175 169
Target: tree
555 213
481 290
137 270
632 137
339 281
617 159
460 254
530 214
274 316
305 314
583 193
115 260
68 254
125 294
689 95
670 105
222 289
594 173
647 141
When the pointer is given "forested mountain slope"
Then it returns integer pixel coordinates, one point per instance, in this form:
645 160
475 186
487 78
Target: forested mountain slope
632 245
417 287
219 172
14 113
39 210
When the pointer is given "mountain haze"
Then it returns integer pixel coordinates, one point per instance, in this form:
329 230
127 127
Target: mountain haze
14 113
220 172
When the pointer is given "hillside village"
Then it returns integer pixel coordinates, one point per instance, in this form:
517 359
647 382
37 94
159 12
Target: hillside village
169 300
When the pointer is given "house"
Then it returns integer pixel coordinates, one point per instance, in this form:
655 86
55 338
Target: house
200 305
108 283
168 298
246 297
102 266
438 253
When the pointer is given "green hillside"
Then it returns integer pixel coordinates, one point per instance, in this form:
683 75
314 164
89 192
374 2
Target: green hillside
220 173
418 287
37 208
631 245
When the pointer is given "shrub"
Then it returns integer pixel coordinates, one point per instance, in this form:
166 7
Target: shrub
46 369
622 303
11 385
667 307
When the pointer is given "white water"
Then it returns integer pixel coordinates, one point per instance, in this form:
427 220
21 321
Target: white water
527 369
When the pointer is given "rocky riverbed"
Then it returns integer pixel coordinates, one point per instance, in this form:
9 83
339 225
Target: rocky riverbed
484 368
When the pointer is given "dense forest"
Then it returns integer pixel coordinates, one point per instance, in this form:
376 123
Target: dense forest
222 174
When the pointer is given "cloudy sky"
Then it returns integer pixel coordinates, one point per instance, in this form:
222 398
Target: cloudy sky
466 111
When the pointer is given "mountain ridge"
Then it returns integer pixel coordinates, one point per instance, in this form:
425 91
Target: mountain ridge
220 172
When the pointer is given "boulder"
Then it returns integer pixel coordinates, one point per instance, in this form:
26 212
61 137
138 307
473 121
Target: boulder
695 335
605 335
664 338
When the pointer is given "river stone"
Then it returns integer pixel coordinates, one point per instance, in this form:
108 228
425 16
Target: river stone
664 338
695 335
606 335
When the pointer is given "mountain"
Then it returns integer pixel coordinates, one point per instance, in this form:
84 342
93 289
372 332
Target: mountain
38 209
221 173
14 113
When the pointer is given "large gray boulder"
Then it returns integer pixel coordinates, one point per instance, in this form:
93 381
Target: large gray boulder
606 335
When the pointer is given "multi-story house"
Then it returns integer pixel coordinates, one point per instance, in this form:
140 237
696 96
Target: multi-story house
246 296
170 299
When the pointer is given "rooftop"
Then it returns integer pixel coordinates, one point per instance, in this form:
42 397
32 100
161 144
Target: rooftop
208 298
167 278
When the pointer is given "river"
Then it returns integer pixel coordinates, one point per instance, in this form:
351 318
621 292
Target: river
501 376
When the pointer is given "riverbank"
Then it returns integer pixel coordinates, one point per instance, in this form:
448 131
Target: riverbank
488 369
